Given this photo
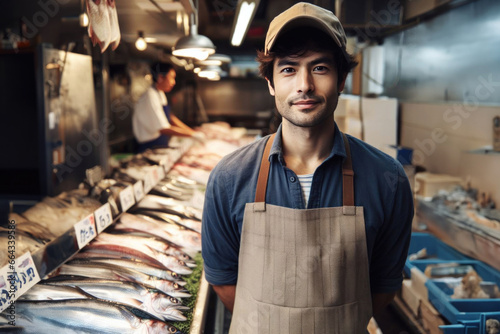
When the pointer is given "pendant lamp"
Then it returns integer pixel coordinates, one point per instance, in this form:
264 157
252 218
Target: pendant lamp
194 45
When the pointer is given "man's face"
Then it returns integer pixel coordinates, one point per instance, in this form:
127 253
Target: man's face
306 88
166 82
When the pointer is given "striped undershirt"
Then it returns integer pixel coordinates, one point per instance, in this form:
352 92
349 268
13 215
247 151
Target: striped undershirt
305 184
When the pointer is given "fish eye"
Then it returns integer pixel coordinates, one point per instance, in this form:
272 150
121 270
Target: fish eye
172 330
174 275
176 286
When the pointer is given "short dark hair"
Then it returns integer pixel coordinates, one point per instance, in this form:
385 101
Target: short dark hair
298 41
160 68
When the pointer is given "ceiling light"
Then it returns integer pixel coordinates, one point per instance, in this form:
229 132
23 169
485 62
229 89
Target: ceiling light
193 45
141 43
84 20
244 14
150 39
211 72
216 59
197 70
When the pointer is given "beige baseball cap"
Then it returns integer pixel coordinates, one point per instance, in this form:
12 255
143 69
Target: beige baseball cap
305 14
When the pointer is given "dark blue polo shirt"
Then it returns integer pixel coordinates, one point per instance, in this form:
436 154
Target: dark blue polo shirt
380 187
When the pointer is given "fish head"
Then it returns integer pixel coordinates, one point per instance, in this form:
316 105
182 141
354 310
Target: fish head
159 327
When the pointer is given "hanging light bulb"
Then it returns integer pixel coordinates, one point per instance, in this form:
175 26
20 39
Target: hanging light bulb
84 20
141 43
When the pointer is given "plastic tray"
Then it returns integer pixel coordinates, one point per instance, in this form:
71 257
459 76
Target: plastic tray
436 249
470 326
456 310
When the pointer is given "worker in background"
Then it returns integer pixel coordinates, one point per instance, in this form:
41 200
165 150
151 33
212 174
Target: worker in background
307 230
153 122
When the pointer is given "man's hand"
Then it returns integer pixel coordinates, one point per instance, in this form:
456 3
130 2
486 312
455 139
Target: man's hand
226 294
380 301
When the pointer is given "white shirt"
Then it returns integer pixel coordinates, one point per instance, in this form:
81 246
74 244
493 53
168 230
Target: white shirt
149 118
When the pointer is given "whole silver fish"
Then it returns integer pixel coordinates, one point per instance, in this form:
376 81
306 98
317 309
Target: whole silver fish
147 246
120 251
190 224
84 316
108 271
189 241
47 292
154 271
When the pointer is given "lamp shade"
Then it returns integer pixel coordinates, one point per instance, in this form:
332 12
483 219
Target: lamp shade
194 46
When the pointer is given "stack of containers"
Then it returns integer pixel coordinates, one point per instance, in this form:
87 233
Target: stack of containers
465 315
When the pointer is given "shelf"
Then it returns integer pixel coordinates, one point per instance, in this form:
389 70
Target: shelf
487 150
30 268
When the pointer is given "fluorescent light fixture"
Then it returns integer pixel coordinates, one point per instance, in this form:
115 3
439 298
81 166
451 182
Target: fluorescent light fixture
245 12
141 43
150 39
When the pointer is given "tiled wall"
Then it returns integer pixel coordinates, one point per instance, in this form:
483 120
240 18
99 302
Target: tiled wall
442 136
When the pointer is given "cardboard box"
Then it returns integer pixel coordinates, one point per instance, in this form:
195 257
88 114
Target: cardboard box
418 280
413 8
429 184
409 296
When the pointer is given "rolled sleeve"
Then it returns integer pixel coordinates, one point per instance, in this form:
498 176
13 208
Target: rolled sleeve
220 237
392 242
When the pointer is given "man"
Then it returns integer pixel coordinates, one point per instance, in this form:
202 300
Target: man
152 121
279 267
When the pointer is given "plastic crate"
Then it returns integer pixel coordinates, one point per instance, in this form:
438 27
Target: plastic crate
459 329
436 249
470 326
456 310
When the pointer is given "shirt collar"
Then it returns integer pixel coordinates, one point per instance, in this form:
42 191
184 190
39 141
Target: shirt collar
337 149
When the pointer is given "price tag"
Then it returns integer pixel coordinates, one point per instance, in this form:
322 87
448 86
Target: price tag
127 198
16 278
85 231
161 173
103 217
148 182
138 191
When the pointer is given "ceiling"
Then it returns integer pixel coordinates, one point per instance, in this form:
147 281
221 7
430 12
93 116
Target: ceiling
167 20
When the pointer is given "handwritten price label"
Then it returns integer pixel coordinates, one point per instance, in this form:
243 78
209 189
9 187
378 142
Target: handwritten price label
138 191
16 279
148 182
127 198
85 231
103 217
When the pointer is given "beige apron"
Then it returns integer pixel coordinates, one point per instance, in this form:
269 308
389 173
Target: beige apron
302 271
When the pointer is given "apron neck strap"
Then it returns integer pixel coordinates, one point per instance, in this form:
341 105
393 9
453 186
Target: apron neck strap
260 193
347 174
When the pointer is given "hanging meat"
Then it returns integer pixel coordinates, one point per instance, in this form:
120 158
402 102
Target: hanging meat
103 27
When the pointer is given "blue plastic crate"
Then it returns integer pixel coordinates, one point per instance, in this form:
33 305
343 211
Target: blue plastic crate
436 249
459 329
456 310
